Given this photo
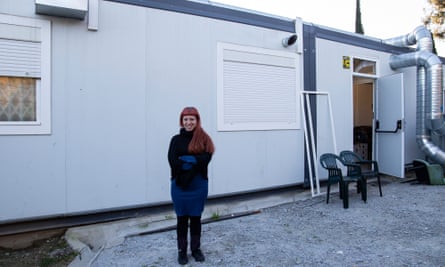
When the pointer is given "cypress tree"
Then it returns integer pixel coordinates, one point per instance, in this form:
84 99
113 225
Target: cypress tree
358 19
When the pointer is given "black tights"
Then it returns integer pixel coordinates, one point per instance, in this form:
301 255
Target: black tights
182 232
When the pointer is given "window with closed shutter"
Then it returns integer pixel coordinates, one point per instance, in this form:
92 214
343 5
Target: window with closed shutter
24 76
257 89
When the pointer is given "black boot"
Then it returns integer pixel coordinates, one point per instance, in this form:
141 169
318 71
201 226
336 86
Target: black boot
197 254
182 257
195 246
195 242
181 233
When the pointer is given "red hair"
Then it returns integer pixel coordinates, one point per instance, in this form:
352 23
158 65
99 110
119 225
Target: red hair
201 141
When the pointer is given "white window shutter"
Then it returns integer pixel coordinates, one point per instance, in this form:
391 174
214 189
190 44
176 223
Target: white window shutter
257 89
20 58
258 93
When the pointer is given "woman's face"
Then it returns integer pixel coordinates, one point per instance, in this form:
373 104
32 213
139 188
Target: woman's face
189 122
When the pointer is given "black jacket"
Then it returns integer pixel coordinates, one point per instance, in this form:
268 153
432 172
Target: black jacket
179 147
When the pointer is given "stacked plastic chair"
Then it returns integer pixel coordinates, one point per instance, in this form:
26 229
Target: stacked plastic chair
332 163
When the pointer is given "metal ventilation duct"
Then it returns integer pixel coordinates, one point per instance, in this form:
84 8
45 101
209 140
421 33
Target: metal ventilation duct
429 115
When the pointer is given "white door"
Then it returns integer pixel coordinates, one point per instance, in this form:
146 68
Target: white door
388 125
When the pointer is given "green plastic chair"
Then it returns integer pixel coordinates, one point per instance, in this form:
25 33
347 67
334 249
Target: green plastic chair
351 157
329 162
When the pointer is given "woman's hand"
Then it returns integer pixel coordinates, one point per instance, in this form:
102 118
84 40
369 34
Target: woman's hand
189 161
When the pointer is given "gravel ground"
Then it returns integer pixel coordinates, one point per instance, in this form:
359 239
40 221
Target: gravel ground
405 227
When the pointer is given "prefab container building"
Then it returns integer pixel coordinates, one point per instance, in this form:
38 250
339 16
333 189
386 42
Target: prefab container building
91 92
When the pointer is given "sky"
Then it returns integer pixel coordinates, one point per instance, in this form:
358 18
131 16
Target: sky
381 19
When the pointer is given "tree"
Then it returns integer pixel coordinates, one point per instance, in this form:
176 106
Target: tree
358 19
434 18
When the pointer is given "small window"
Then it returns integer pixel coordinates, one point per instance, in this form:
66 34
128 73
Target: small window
25 91
364 66
258 89
17 99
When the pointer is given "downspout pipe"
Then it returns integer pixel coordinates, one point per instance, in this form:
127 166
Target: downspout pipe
429 113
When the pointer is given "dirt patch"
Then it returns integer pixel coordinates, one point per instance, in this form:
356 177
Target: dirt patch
53 252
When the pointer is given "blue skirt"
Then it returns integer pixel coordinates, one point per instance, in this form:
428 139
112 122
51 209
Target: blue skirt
190 201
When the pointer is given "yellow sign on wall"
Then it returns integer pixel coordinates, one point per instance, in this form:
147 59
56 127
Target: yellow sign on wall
346 62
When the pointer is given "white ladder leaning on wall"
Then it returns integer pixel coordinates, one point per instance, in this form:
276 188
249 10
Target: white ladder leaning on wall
311 151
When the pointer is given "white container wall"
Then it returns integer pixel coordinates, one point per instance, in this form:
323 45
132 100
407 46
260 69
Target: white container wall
109 90
116 95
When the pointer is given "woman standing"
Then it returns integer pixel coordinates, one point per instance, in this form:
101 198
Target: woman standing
189 155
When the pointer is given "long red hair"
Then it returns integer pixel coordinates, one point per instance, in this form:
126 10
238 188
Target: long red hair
201 141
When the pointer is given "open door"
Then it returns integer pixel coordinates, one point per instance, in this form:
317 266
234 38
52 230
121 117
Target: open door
363 95
388 125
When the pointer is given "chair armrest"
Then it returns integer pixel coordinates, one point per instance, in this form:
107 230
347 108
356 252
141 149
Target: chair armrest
354 165
375 165
354 169
330 169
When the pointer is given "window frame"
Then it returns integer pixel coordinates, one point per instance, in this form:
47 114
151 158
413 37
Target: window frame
374 61
42 124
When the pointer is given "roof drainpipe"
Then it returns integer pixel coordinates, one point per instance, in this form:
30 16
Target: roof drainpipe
429 114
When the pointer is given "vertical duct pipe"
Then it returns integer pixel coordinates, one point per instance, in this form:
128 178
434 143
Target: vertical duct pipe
429 97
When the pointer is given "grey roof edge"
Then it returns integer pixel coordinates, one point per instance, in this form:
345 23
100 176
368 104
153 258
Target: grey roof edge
206 8
350 38
218 11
